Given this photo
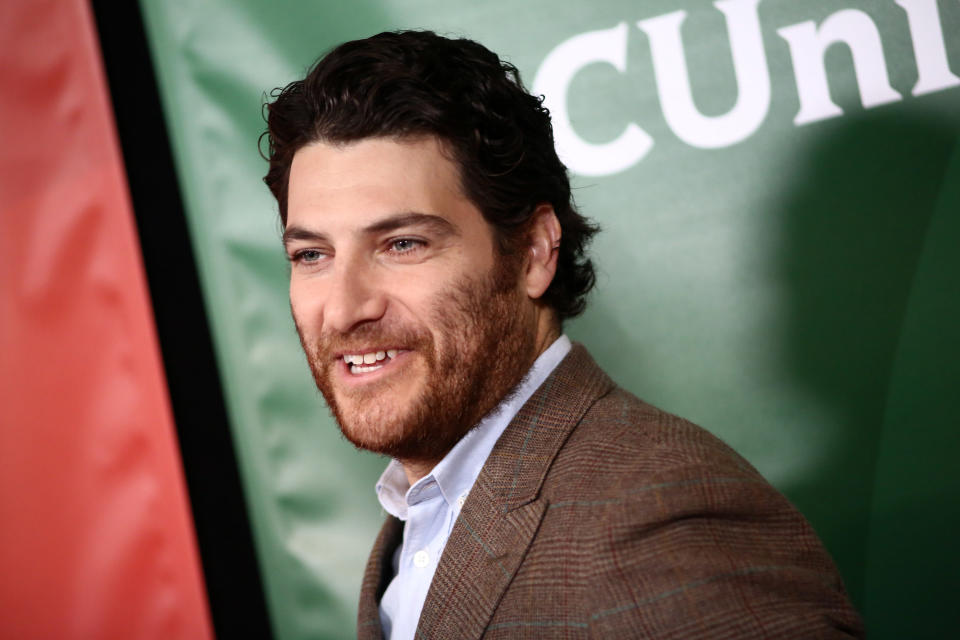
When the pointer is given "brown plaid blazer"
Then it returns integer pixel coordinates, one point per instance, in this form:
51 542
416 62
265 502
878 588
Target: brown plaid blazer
600 516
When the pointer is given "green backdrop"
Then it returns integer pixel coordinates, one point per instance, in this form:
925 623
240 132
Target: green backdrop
779 188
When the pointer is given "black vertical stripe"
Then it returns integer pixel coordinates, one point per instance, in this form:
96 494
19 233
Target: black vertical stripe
234 585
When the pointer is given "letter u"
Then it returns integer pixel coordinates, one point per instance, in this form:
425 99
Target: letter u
673 79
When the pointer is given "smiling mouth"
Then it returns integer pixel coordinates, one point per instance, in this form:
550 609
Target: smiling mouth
369 361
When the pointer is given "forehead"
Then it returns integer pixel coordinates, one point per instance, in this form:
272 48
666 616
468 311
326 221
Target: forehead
356 183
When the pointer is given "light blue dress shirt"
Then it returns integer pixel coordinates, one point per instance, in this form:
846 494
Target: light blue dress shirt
430 507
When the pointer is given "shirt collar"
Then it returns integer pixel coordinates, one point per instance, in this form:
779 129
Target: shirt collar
458 470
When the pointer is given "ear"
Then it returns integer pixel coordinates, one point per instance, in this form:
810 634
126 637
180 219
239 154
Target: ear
542 252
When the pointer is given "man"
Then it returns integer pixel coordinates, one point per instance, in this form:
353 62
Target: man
435 252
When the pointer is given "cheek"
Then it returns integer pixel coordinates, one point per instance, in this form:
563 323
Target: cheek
306 304
416 298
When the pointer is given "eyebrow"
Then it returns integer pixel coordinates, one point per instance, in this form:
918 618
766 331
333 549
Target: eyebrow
294 232
437 224
412 219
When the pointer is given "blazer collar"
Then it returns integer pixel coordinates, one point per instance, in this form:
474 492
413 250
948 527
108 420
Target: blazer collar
504 507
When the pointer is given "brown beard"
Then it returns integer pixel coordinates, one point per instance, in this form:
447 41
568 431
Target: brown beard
488 347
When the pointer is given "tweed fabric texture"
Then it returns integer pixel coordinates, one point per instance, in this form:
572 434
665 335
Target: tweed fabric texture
600 516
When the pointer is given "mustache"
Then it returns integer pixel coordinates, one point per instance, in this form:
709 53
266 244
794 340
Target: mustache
364 336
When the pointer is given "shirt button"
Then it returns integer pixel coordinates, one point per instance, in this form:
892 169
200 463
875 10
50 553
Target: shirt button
421 559
461 500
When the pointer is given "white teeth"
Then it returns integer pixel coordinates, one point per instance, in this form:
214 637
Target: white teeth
358 363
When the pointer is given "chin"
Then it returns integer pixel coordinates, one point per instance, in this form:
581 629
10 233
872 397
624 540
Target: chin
380 431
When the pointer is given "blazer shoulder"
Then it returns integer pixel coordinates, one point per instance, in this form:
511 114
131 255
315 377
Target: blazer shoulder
669 527
621 439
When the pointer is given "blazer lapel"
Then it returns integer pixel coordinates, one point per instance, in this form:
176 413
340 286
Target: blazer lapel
376 577
504 508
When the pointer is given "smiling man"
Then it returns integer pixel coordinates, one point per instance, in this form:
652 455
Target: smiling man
413 327
435 252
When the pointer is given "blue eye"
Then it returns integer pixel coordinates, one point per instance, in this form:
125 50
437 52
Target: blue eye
405 245
307 255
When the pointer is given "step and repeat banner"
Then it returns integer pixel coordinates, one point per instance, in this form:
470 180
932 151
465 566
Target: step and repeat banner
778 184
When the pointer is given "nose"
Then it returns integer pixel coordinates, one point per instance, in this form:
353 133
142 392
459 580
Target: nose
355 296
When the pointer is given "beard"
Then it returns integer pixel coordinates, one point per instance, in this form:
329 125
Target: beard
487 345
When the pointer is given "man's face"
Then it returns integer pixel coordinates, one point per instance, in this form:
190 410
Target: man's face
413 325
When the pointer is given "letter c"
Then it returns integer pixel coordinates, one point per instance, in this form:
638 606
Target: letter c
553 81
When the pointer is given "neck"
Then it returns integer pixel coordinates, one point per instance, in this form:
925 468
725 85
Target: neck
416 469
548 330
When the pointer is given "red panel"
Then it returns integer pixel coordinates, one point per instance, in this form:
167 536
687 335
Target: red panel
96 539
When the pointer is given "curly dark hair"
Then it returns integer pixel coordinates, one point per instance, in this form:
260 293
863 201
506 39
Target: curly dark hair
412 83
